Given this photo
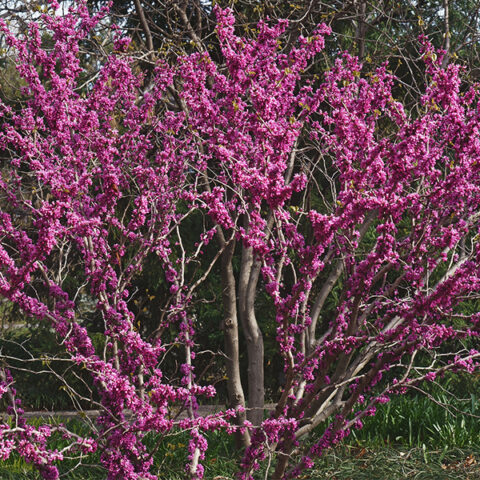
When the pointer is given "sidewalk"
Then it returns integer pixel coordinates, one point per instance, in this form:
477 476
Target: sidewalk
202 411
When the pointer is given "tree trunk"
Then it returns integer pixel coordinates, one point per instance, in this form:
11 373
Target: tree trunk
361 29
249 274
230 329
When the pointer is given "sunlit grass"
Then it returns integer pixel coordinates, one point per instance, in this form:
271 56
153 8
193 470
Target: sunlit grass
410 437
414 421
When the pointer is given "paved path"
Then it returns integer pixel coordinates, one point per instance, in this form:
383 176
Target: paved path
203 410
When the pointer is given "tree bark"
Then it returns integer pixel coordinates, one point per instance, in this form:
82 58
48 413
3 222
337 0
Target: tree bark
236 396
249 274
361 29
446 42
145 27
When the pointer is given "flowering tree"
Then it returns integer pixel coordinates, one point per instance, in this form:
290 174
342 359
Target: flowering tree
358 219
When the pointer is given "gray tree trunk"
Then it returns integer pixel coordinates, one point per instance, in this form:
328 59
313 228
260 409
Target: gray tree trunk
230 329
248 281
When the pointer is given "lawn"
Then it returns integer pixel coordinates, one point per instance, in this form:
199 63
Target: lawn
411 437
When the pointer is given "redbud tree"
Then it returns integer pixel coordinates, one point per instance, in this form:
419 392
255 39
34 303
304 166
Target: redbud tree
359 219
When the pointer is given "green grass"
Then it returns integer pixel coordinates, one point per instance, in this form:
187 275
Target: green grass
416 420
360 463
343 463
169 460
410 437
